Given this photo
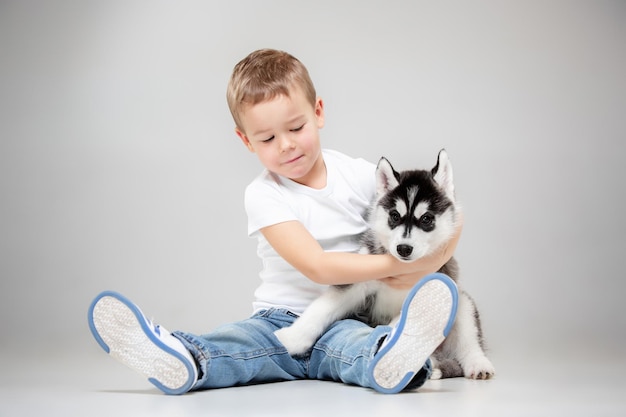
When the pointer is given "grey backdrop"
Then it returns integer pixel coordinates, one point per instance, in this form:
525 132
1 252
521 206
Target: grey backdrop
120 169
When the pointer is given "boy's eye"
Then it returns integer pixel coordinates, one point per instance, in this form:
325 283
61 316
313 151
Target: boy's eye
297 129
268 140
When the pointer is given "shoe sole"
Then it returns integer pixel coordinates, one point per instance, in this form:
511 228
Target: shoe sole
427 317
122 331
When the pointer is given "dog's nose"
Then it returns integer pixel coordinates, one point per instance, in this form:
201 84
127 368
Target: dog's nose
404 250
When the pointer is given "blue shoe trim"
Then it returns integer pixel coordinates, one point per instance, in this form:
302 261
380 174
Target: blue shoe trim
149 331
400 325
92 326
455 297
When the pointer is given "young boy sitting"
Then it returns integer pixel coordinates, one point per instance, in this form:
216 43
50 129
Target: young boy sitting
307 209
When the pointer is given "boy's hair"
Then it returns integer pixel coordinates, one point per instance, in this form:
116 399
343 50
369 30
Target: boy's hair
263 75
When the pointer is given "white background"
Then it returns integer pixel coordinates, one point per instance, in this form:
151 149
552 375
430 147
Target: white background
120 169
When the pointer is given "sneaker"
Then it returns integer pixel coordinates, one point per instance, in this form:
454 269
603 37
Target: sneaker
426 318
126 334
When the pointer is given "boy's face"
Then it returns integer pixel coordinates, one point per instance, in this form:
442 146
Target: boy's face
284 133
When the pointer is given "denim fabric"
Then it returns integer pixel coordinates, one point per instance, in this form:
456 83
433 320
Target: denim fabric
247 352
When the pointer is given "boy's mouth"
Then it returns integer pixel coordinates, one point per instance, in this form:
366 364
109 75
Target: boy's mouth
293 160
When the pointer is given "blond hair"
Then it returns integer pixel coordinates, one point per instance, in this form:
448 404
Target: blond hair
263 75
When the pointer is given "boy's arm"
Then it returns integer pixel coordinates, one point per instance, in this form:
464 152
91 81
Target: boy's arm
298 247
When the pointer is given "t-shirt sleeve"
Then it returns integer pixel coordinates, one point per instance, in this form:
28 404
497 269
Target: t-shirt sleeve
266 205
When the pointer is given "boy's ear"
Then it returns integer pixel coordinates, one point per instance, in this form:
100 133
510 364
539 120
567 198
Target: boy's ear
244 139
319 112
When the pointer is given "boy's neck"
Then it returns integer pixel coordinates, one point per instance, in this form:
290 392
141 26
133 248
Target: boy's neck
316 178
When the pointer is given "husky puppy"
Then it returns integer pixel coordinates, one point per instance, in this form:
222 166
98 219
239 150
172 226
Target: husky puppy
414 212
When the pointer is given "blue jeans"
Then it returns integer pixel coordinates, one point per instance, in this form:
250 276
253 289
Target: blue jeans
247 352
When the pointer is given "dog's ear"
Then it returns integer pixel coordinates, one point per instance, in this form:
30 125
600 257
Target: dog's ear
386 177
442 173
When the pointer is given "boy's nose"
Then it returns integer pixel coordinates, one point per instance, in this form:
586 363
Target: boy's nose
286 143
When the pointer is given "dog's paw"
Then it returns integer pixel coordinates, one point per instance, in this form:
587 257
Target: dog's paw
295 343
436 374
479 368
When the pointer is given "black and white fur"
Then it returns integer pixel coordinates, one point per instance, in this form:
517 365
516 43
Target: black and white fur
414 213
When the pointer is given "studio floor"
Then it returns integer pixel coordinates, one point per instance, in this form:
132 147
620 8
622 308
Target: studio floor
88 383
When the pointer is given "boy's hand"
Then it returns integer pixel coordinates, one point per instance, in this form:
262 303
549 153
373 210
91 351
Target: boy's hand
404 281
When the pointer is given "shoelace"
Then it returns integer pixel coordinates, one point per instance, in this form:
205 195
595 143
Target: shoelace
156 328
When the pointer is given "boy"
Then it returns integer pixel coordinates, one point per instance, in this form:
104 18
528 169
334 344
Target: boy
307 211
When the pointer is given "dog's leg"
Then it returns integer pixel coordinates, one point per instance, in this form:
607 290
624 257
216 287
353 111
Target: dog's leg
444 359
467 344
331 306
445 368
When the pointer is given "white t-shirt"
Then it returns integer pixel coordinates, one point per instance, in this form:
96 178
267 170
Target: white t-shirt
334 215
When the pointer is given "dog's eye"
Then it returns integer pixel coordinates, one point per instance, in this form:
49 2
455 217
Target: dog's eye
394 216
427 222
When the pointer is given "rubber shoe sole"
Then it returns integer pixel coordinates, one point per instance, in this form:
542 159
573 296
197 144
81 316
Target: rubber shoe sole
126 334
426 318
